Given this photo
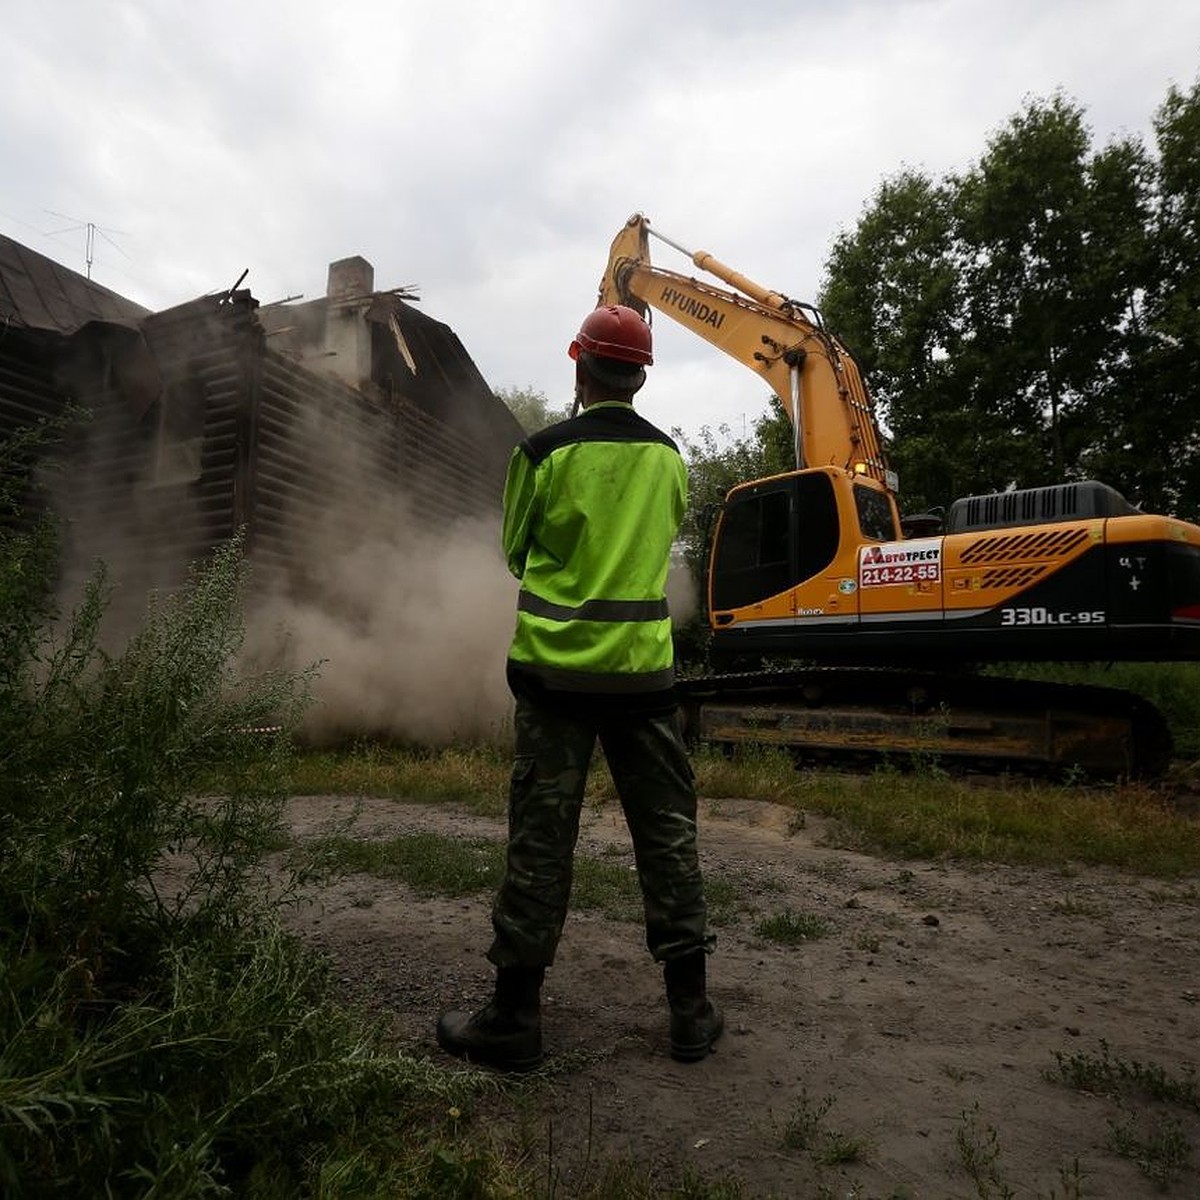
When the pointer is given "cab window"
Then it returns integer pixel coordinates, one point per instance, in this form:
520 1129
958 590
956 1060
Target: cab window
874 514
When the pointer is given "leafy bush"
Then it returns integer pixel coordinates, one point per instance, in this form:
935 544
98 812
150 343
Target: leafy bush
106 839
159 1033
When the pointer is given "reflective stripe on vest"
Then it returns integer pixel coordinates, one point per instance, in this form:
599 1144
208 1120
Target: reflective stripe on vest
594 610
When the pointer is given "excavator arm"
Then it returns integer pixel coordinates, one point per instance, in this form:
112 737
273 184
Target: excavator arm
779 339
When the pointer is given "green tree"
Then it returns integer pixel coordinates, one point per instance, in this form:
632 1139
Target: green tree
1042 275
891 294
531 408
1157 443
775 437
1033 318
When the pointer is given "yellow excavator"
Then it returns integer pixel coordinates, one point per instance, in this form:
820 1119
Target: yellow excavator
873 623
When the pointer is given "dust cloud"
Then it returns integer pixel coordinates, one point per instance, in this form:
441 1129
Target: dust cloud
409 625
683 592
411 628
139 535
406 612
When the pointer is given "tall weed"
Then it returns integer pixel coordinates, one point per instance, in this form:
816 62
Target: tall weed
159 1034
137 790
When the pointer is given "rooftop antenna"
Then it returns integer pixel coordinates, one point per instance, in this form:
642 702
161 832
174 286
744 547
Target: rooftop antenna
90 242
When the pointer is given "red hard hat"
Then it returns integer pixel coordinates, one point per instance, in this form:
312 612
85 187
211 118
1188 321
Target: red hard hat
614 331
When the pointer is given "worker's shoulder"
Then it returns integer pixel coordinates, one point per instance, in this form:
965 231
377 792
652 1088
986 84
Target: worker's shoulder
603 423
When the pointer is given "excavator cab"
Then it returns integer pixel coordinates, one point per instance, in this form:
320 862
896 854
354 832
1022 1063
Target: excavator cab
785 556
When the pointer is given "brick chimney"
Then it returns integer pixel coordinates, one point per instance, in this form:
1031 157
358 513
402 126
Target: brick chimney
347 334
350 277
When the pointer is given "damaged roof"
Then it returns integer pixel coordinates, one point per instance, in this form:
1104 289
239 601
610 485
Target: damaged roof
38 293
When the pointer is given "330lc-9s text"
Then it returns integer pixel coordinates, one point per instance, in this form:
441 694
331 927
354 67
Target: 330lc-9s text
1045 616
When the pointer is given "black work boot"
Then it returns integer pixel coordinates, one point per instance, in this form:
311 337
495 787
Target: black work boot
507 1032
696 1022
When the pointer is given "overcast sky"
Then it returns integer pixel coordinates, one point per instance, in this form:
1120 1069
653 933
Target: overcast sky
488 152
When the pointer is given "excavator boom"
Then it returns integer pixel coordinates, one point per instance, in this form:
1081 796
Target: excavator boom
781 340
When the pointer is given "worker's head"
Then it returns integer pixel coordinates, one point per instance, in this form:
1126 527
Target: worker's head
612 349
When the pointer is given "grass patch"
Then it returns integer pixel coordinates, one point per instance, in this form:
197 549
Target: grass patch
434 864
608 888
429 863
904 814
791 928
1157 1146
1106 1074
805 1130
933 815
749 773
1018 821
631 1180
1154 1140
979 1155
475 776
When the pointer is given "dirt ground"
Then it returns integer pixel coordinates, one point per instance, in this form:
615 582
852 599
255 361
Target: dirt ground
914 1038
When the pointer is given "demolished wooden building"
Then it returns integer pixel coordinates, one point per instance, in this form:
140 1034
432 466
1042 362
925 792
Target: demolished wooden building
224 414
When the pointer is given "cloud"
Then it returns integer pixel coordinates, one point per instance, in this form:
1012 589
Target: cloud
489 153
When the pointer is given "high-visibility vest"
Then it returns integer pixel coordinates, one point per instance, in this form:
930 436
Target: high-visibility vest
591 507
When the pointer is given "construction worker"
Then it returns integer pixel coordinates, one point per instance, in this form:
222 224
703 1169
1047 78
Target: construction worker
591 507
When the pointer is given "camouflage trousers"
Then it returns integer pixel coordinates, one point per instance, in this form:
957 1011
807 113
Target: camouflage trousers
654 780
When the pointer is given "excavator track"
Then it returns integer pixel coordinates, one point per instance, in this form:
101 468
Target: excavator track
962 719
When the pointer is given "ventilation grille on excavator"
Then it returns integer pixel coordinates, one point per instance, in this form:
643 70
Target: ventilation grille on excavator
1012 577
1020 547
